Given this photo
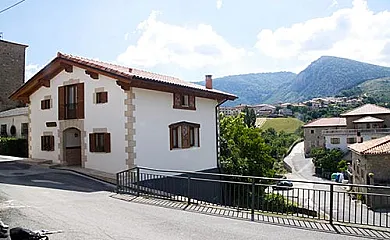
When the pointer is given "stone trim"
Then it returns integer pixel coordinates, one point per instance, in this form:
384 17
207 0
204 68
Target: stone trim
99 130
48 133
71 82
29 132
129 126
74 123
97 90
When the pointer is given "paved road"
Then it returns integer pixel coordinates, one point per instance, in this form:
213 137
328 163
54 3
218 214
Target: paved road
317 196
36 197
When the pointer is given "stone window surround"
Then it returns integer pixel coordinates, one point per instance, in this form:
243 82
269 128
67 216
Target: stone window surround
97 90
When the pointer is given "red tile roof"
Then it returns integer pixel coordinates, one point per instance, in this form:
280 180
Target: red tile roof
130 72
375 146
368 109
327 122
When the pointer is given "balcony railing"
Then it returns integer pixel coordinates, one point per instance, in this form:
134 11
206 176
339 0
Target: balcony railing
370 131
70 111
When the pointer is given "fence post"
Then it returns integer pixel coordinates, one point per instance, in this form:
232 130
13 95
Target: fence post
138 179
117 183
189 189
331 204
253 200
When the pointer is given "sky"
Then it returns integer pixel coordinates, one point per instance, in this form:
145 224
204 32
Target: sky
189 39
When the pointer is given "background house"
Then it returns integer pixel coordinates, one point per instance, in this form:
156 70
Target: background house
12 64
109 118
14 123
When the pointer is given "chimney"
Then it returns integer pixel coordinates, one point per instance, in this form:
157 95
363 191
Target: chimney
209 81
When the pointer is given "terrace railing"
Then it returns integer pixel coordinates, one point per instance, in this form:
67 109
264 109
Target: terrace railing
370 131
329 201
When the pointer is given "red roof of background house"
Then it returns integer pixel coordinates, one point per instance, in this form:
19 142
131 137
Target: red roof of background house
367 109
375 146
327 122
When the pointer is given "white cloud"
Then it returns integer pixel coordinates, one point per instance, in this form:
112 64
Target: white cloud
31 70
356 33
334 3
187 47
219 4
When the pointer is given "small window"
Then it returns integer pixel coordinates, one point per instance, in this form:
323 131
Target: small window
351 140
47 143
184 135
335 140
24 129
100 142
101 97
184 101
45 104
3 131
13 131
312 131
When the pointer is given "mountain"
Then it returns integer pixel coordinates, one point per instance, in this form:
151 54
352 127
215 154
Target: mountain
378 90
254 87
326 76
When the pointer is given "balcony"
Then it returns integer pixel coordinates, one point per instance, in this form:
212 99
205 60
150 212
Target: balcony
71 111
371 131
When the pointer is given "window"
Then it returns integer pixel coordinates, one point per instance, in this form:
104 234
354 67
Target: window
101 97
100 142
3 131
71 101
184 135
45 104
24 129
335 140
351 140
12 130
184 101
312 131
47 143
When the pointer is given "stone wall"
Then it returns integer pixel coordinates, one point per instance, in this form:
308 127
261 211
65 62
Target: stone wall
12 64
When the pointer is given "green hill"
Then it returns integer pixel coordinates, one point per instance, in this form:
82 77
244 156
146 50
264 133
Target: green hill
289 125
377 90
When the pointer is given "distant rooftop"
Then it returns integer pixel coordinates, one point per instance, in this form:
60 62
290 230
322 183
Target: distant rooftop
369 119
14 112
375 146
368 109
327 122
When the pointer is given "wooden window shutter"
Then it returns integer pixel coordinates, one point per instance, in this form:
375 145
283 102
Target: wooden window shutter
176 100
51 143
42 143
104 97
185 136
80 101
107 143
61 103
42 104
191 100
171 138
92 142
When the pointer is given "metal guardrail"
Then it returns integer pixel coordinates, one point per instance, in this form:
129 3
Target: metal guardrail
333 202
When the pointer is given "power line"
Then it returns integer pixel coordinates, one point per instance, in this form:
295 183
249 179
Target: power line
5 9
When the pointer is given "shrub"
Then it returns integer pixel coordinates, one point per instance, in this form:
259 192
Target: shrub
16 147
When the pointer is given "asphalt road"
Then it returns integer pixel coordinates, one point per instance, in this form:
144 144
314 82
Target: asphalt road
317 196
41 198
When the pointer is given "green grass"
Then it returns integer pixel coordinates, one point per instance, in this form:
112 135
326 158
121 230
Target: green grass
289 125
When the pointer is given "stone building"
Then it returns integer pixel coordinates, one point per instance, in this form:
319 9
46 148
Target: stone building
12 64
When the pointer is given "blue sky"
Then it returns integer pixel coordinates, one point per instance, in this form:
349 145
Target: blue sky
189 39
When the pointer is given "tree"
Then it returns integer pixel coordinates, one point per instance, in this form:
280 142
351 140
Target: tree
327 159
249 117
243 150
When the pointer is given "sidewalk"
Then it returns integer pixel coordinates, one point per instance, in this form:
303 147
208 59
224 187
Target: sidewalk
102 176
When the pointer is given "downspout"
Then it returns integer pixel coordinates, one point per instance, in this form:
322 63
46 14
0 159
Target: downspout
217 134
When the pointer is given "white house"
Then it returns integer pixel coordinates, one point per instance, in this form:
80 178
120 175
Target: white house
109 118
14 123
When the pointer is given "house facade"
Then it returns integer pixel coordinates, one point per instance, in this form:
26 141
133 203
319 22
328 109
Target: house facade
14 123
109 118
358 125
370 166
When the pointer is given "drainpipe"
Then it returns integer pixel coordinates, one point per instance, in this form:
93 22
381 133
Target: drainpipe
216 132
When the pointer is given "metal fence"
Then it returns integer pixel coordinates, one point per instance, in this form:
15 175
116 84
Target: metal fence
333 202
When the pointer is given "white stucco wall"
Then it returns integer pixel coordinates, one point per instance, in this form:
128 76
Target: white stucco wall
15 121
343 140
154 112
109 115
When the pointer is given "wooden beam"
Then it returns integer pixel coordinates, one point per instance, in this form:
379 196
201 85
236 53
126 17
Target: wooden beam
124 85
93 75
44 82
68 68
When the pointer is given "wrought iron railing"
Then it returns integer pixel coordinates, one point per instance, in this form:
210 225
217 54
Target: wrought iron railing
330 201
